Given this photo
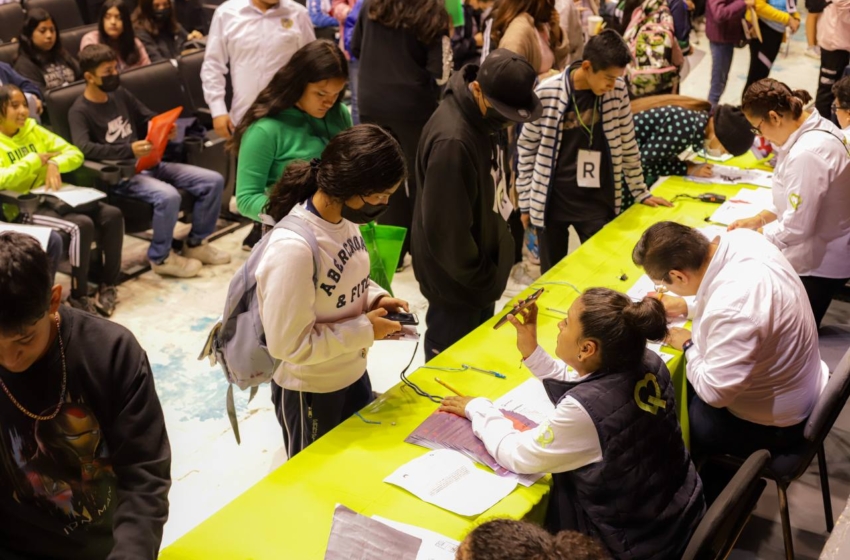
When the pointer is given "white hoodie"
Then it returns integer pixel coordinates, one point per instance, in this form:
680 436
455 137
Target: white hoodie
811 198
834 26
320 333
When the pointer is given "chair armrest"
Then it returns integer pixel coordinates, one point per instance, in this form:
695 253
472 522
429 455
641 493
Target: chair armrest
25 202
9 197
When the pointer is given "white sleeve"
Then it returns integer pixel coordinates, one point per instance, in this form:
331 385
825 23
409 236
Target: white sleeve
544 366
214 68
566 441
374 294
723 370
287 298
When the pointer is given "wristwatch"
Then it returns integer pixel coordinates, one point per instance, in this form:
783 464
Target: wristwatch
687 345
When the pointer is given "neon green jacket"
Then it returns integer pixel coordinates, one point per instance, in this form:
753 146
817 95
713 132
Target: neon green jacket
20 166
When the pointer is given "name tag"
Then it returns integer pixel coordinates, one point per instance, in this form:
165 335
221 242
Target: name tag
589 169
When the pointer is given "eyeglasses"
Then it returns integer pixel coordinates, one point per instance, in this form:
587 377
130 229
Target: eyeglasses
757 128
836 107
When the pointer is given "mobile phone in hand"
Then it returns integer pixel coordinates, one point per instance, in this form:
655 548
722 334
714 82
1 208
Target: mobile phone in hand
403 318
519 307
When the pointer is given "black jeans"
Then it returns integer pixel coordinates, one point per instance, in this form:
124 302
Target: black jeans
820 292
305 417
554 240
832 65
762 54
449 323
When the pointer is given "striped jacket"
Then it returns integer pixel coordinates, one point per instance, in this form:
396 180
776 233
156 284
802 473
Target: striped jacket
539 143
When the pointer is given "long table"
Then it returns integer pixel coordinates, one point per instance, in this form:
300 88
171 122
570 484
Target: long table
288 514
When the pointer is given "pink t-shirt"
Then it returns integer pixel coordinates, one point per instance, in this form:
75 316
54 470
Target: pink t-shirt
93 38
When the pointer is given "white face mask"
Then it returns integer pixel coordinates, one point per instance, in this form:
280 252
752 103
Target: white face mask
712 152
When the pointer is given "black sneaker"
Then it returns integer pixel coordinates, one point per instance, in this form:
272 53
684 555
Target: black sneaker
107 298
84 304
253 237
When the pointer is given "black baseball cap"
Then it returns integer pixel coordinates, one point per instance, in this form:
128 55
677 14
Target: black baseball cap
507 82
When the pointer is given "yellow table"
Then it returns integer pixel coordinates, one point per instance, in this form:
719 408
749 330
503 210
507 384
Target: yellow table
289 513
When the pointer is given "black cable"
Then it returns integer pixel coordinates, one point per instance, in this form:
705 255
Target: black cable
416 389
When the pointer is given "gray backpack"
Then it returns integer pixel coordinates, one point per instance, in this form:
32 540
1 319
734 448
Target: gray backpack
237 341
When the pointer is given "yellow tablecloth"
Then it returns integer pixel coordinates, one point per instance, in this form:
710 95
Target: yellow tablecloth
288 514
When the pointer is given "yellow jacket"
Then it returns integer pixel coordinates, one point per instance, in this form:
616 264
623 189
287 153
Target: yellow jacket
767 12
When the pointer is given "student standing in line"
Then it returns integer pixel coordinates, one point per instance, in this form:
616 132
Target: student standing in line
810 218
115 30
41 57
463 247
293 118
405 55
841 105
531 28
725 33
322 333
774 16
834 46
31 156
614 420
667 125
579 164
84 456
156 25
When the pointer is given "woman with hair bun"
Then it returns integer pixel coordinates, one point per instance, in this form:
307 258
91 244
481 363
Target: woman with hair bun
621 469
810 218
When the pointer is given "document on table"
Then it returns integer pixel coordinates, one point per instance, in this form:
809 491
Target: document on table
725 175
357 537
41 233
656 347
434 545
72 195
746 204
451 481
528 399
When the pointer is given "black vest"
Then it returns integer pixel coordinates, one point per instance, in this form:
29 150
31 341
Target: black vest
644 499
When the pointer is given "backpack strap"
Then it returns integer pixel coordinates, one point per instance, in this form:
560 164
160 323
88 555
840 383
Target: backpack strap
303 229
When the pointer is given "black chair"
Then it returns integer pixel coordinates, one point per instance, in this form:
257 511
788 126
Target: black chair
8 52
190 71
65 13
719 530
11 21
71 38
790 465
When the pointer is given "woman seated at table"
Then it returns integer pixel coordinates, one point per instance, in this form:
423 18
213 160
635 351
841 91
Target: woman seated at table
667 125
810 218
622 472
115 30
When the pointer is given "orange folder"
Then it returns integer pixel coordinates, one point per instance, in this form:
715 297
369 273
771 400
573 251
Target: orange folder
159 129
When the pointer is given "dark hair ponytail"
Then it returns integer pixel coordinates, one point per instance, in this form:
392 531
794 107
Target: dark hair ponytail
621 326
359 161
769 95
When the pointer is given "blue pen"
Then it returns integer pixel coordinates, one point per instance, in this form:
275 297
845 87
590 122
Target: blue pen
487 371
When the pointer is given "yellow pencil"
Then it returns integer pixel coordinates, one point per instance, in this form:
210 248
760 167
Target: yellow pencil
447 386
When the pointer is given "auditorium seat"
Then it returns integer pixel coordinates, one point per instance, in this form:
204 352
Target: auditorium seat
11 21
65 13
72 37
8 52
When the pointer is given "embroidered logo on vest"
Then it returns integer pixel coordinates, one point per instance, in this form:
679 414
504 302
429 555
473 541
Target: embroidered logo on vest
652 402
545 435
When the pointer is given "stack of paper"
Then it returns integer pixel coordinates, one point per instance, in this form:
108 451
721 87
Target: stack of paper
41 233
444 430
528 399
71 195
434 545
746 204
725 175
357 537
451 481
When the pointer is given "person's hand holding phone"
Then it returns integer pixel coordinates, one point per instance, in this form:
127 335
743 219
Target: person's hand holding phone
381 326
526 330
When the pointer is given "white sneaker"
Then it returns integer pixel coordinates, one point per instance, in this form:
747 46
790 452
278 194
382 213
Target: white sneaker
177 266
206 253
813 52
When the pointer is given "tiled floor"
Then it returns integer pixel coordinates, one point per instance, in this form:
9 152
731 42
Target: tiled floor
171 318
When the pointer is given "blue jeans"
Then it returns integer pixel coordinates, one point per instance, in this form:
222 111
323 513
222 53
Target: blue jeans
158 187
721 61
353 69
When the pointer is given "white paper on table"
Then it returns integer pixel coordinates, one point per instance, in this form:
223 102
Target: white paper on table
746 204
72 195
701 157
451 481
434 545
41 233
529 399
725 175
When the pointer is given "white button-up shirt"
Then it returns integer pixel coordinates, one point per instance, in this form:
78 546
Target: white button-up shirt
256 44
755 343
811 199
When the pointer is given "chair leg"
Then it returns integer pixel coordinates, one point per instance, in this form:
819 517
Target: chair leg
786 522
824 488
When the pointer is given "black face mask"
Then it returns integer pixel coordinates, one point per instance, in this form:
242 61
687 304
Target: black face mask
367 213
110 83
496 121
162 15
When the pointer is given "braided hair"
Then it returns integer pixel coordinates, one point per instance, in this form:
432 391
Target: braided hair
768 95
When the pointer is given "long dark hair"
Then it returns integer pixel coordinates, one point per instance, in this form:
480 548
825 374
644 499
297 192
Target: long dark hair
143 18
427 19
35 17
314 62
620 326
126 43
769 95
359 161
507 10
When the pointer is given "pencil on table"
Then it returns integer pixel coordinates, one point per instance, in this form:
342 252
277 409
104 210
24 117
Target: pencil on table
447 386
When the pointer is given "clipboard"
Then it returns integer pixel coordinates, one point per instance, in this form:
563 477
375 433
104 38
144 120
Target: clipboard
159 128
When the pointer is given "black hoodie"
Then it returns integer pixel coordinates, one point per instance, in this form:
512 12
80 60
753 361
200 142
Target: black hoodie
463 248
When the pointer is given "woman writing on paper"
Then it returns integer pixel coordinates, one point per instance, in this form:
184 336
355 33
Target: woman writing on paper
321 332
810 218
30 157
614 420
667 125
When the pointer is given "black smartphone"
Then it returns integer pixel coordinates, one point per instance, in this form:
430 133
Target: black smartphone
403 318
519 307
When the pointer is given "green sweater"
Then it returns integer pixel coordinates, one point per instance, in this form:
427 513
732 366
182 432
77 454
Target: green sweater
272 143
